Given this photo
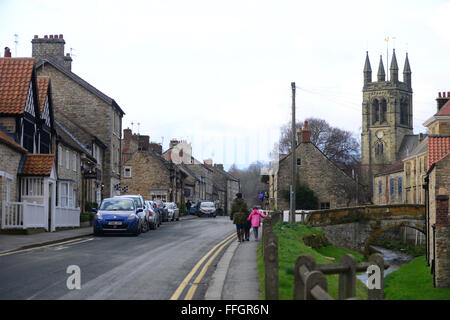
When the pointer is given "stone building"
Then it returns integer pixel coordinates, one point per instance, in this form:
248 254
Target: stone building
27 163
85 111
437 188
229 184
387 113
415 167
330 184
206 177
193 184
389 185
147 173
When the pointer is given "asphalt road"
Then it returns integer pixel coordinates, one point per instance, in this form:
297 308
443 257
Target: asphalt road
151 266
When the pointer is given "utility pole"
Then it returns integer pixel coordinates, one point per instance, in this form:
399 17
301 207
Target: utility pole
294 159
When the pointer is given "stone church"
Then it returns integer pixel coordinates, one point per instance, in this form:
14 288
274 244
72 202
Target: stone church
387 118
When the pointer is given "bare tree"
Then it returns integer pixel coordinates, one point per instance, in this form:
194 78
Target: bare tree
338 145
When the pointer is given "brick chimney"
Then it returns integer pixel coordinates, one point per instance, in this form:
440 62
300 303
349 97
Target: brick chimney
173 143
219 166
7 52
208 162
306 134
442 99
51 46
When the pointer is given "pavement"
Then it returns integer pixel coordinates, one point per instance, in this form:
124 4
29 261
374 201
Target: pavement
235 276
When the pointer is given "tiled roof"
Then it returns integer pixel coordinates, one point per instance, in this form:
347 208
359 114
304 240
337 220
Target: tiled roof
394 167
445 110
4 138
43 83
38 164
15 77
438 148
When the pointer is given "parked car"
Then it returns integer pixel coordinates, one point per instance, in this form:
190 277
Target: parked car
118 215
173 210
140 203
163 210
155 218
206 208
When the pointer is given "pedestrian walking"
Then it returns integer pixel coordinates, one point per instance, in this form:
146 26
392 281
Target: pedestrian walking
239 211
255 218
188 206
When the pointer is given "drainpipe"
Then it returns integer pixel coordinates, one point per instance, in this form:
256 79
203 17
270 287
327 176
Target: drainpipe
427 215
433 262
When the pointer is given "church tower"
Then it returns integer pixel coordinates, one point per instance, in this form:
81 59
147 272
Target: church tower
386 117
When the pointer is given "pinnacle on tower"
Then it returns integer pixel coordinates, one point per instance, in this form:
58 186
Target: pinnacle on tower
381 74
394 68
407 72
367 70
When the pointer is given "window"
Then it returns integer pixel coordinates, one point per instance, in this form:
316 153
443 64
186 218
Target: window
60 155
127 172
379 149
67 196
299 161
380 187
400 186
74 161
67 159
391 185
375 111
324 205
404 112
383 111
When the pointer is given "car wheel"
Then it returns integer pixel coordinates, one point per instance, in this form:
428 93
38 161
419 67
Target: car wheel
178 218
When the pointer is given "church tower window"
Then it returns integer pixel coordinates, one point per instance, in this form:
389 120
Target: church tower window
375 111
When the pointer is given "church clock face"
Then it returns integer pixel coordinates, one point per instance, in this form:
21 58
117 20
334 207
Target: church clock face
379 134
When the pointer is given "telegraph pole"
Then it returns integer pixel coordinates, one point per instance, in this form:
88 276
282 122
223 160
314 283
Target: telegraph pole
294 159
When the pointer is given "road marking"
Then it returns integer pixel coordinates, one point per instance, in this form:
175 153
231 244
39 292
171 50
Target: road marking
193 288
40 247
186 280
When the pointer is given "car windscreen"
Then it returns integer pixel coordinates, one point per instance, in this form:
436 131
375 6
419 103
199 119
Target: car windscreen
207 205
117 205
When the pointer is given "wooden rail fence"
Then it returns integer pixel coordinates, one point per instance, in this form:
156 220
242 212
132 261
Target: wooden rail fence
310 282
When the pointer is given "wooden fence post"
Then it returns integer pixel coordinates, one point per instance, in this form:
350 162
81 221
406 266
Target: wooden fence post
377 294
347 280
299 286
271 267
315 278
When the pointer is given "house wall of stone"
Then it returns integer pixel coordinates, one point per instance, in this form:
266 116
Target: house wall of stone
75 107
328 182
146 172
386 196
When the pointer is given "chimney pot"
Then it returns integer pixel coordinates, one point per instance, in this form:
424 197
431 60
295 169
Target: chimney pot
7 52
55 36
46 37
61 36
439 94
443 94
35 36
67 54
51 36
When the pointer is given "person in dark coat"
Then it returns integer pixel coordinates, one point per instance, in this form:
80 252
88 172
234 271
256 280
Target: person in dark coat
188 206
247 227
239 213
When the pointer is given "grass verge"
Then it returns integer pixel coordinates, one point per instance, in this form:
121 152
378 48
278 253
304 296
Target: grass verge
290 246
413 281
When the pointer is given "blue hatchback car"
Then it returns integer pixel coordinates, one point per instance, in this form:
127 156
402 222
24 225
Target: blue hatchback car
118 215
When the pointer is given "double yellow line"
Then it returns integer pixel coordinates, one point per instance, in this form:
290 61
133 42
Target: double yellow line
216 249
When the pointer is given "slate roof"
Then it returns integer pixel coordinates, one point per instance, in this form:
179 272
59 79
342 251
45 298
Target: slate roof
48 59
15 77
445 110
37 165
394 167
68 139
420 148
408 144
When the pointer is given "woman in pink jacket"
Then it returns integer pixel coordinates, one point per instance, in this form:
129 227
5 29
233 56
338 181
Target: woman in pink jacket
255 218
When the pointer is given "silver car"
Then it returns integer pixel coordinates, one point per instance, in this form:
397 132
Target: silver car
154 218
173 211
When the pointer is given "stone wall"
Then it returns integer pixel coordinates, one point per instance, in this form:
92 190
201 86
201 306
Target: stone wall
147 172
442 244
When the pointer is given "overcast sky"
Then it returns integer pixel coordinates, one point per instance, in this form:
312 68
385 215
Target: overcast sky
218 73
